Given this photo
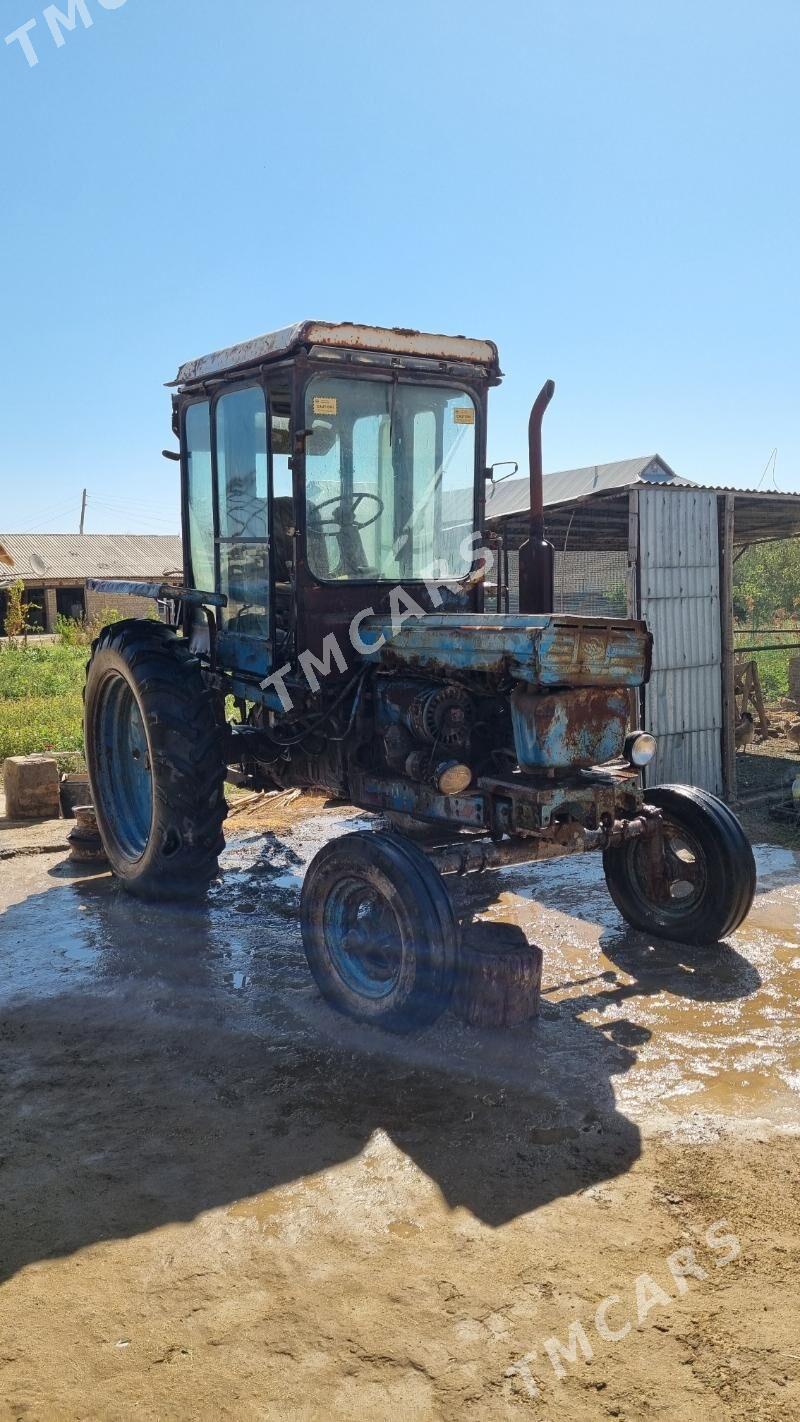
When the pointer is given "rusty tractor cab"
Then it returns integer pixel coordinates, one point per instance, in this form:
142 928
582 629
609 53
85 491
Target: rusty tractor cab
333 590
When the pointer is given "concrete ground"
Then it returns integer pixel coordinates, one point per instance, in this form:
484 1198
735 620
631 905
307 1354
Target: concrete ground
221 1200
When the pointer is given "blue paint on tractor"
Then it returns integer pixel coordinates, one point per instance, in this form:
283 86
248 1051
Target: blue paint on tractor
250 655
540 651
570 730
123 764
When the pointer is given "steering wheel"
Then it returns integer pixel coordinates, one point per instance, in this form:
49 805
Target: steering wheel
337 501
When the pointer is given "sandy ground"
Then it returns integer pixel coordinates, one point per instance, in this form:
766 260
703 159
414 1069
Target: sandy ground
220 1200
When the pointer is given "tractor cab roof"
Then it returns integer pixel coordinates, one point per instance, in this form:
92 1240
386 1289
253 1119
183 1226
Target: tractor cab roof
395 344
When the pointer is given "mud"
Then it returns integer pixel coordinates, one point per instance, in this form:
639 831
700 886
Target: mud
221 1200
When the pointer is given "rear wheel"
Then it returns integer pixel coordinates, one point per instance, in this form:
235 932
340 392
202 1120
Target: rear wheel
156 765
701 887
379 931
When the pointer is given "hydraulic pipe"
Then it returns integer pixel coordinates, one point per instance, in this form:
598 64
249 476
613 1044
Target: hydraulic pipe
536 556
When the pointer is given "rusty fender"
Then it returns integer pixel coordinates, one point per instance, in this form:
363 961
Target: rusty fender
474 856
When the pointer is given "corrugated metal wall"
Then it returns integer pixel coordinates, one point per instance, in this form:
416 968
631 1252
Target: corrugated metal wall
679 598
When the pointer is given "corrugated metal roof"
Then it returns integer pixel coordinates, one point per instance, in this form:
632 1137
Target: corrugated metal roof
597 517
512 496
40 556
760 494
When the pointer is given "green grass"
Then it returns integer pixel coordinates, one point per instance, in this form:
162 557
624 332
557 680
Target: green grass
41 706
41 698
773 666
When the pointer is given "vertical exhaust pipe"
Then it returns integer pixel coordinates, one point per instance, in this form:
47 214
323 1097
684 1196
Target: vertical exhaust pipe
537 556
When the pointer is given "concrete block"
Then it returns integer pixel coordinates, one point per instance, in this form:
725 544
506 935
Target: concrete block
32 788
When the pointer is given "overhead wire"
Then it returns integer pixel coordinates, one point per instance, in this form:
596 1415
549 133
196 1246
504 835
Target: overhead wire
773 460
121 506
49 515
128 511
60 512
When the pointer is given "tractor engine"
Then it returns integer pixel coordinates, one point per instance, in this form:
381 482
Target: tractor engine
427 730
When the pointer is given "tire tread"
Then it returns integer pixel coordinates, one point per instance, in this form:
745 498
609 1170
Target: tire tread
186 738
735 879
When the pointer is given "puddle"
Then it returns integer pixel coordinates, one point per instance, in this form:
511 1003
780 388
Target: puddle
679 1030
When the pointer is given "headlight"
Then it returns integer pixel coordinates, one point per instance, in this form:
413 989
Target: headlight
640 747
452 777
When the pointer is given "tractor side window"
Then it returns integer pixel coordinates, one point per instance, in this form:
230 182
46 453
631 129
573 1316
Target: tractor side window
281 457
200 495
242 464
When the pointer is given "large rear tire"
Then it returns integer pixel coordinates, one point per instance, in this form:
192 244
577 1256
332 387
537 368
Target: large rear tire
154 749
709 875
379 931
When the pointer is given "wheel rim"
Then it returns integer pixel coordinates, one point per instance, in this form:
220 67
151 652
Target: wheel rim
123 767
680 888
363 937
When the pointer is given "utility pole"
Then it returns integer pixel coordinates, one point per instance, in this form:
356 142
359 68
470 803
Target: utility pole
83 511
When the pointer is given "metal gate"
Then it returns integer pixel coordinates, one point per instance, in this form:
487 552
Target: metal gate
678 564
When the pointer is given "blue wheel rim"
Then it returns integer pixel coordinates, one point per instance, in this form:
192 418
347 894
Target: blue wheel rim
363 938
123 766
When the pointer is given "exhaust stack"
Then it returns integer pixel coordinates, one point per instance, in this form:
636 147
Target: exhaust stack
537 556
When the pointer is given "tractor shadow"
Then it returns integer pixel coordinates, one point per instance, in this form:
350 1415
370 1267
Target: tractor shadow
149 1091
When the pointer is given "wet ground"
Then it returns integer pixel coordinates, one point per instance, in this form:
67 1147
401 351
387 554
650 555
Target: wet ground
221 1199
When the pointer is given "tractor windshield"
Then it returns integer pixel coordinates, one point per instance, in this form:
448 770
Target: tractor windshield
390 477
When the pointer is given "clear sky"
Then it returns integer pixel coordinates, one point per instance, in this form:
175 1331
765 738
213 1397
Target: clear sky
608 190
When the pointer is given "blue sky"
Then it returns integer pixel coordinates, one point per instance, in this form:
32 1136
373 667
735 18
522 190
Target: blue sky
607 190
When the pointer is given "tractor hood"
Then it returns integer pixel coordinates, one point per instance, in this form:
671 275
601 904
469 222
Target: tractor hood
540 651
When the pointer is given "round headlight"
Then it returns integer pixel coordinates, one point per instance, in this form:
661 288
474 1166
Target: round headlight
640 747
452 778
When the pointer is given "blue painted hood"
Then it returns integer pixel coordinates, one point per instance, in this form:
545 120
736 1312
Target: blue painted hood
540 651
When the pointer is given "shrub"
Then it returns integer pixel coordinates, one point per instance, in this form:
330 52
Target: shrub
17 620
73 632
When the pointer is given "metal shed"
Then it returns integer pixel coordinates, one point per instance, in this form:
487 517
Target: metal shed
635 539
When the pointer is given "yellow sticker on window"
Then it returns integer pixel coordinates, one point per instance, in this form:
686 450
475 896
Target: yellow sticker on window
464 415
326 405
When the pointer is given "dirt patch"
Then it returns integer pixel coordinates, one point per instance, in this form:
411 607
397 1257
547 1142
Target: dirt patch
276 809
771 761
221 1200
236 1236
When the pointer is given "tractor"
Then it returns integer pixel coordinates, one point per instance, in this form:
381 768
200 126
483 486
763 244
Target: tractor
330 630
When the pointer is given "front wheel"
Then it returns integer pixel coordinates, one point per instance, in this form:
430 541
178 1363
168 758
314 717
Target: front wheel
379 931
701 887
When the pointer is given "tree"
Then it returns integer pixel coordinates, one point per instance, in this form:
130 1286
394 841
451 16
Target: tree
766 583
17 623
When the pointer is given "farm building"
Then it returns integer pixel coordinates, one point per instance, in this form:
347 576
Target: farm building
634 539
55 567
